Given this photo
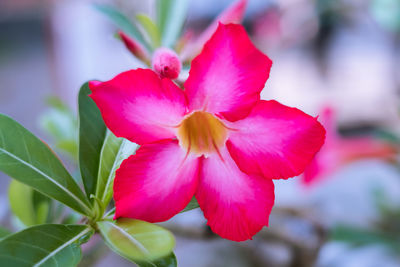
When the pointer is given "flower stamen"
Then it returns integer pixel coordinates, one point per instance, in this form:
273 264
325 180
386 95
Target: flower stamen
202 133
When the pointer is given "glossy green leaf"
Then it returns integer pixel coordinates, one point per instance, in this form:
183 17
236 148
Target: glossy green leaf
44 245
171 15
123 23
192 205
27 159
28 205
138 241
4 232
151 29
114 151
92 132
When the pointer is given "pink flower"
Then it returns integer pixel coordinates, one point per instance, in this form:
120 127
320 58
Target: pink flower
339 151
215 140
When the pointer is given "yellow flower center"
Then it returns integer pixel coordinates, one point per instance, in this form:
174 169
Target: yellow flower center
202 133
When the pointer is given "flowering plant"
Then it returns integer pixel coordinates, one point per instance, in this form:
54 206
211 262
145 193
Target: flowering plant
207 139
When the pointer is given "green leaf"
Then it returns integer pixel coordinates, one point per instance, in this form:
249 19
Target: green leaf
28 205
192 205
362 237
57 103
58 123
138 241
68 146
167 261
27 159
44 245
114 151
42 206
4 232
123 23
61 124
171 16
387 136
20 197
151 29
92 132
42 211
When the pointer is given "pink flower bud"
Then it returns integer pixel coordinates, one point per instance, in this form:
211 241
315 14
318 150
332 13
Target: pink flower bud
134 47
166 63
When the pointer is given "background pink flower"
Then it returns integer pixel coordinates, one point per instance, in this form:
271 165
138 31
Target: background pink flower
339 151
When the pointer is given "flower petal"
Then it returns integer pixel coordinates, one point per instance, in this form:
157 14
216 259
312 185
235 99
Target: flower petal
140 106
227 77
275 141
232 14
235 204
156 183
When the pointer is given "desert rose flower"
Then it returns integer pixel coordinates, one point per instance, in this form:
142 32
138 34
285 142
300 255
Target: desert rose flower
340 151
215 140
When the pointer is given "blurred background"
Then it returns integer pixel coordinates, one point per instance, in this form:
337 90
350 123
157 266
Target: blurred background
339 60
